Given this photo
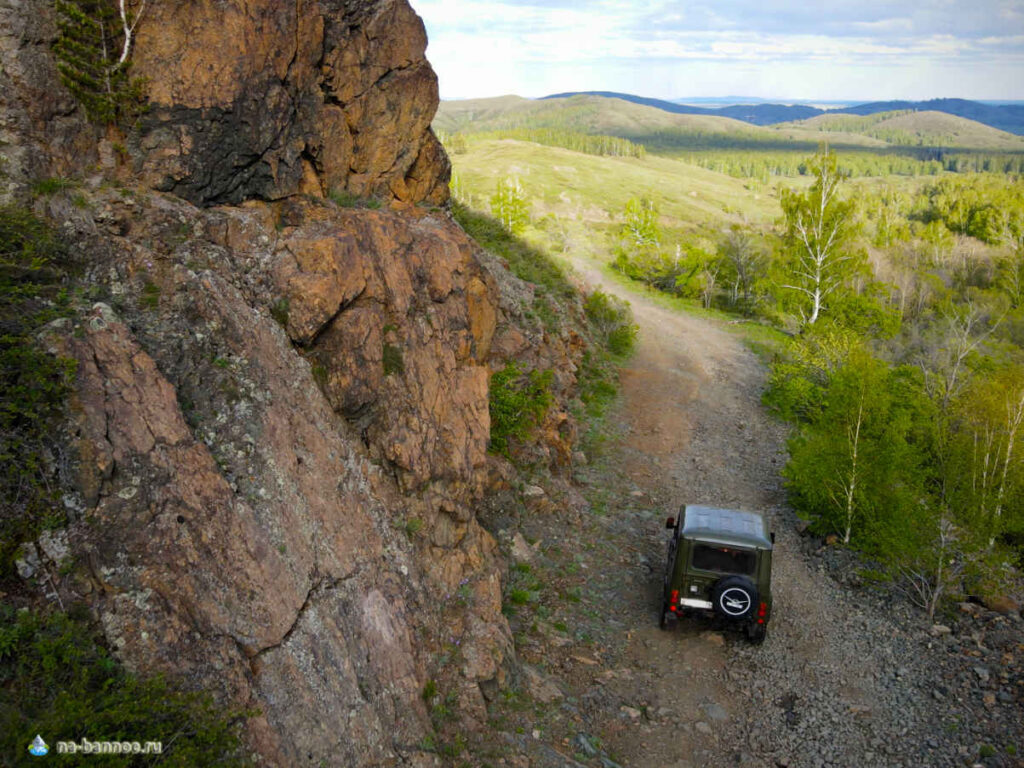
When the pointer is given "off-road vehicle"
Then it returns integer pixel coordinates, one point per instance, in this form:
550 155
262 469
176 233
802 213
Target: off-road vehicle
719 562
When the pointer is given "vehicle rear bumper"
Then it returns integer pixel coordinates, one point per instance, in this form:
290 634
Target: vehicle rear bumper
689 602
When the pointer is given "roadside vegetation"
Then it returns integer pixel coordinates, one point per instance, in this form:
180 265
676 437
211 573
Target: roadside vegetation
519 398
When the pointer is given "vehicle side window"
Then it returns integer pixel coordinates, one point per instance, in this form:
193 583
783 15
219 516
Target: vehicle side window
723 559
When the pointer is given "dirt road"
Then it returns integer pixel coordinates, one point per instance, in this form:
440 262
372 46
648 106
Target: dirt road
842 680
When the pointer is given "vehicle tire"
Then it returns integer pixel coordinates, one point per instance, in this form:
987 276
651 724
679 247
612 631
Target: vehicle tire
756 633
669 620
734 597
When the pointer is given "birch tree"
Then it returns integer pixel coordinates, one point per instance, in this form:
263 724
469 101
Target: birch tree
509 205
854 467
990 426
819 227
93 54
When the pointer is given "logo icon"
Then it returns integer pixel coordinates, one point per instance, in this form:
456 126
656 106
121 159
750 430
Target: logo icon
38 746
735 601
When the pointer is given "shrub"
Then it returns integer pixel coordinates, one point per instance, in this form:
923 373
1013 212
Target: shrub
345 199
393 362
33 384
61 683
87 52
518 402
51 186
612 320
279 311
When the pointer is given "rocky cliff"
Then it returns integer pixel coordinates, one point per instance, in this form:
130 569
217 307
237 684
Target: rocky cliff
280 416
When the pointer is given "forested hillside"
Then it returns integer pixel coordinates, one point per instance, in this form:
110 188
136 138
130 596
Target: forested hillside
1003 117
904 143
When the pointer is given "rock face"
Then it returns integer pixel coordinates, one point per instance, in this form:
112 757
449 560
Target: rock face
266 99
251 458
280 419
246 100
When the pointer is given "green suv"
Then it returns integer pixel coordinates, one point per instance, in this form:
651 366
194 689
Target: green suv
719 562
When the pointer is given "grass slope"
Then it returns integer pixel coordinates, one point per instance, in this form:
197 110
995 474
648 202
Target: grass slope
594 190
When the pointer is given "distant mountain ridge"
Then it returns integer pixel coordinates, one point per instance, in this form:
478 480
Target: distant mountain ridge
1006 117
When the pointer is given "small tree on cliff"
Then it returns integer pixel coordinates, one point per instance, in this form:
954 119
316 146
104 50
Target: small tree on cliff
93 52
819 228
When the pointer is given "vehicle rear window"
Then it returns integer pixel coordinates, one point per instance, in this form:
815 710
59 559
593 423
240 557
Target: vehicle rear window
723 559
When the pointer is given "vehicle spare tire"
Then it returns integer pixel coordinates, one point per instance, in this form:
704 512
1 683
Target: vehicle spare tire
734 597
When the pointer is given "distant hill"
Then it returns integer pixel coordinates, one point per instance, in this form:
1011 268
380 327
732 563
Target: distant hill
692 129
1004 117
755 114
908 128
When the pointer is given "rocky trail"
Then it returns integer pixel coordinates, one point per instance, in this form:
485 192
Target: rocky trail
846 677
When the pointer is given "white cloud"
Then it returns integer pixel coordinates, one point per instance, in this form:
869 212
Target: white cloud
865 47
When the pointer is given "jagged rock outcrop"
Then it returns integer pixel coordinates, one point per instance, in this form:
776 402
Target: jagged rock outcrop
245 100
250 470
280 419
267 99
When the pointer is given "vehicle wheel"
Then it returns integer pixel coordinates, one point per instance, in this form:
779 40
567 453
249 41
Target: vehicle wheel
669 620
756 633
734 597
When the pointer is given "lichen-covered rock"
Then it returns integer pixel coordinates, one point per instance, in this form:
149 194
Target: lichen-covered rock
243 525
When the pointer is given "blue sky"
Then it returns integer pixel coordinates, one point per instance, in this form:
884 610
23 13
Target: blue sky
824 49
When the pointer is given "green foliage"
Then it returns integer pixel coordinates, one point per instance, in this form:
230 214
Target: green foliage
393 361
743 263
989 208
87 51
33 384
518 402
855 467
52 186
799 378
319 371
641 227
60 682
510 207
587 143
986 455
150 295
819 228
519 596
279 311
612 320
345 199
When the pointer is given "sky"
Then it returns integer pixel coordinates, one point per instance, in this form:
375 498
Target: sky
862 50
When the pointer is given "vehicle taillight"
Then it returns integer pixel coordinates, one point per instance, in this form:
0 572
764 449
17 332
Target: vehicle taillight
674 601
762 611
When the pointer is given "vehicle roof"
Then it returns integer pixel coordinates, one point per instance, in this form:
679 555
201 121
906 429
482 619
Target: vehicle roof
725 526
